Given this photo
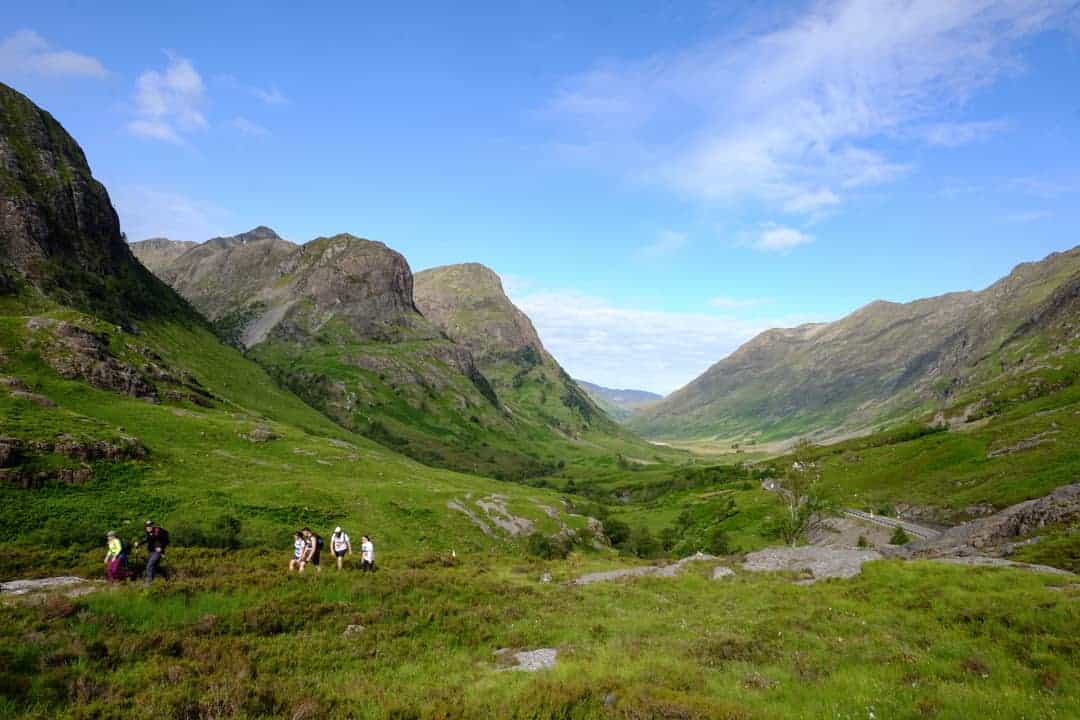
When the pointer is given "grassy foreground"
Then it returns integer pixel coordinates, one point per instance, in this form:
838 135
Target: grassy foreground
234 636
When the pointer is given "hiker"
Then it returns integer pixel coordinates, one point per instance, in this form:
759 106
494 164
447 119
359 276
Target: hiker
299 545
340 544
157 539
367 554
312 552
115 558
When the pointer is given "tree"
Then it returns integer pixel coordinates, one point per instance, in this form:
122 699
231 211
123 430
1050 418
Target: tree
804 508
899 537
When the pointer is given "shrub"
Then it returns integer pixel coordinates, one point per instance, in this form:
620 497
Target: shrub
641 543
719 543
899 537
617 532
546 547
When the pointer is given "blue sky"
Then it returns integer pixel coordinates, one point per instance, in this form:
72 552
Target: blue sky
655 182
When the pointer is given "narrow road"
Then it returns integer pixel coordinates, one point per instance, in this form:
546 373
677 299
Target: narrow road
920 531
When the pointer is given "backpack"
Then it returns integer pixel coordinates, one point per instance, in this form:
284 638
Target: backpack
318 542
162 538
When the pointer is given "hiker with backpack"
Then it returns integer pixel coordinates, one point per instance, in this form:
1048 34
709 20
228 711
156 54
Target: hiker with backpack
313 551
157 540
340 544
115 558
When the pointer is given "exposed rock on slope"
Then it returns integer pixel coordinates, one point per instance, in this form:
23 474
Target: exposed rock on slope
993 534
882 360
58 231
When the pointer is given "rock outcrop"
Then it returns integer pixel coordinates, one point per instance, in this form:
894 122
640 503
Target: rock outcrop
992 535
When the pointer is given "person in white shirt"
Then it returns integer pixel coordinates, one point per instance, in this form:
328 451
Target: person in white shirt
367 554
341 546
299 545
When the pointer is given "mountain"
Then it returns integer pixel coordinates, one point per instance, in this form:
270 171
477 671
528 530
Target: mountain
619 404
468 303
884 361
59 233
158 253
106 420
334 320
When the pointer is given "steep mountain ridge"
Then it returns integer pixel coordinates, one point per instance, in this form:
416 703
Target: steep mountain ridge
468 303
882 361
59 233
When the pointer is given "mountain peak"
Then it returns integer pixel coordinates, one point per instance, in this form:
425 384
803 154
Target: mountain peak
468 303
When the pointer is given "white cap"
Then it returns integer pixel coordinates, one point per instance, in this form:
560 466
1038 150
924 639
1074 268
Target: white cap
337 529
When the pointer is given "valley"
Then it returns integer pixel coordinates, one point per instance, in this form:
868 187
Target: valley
238 389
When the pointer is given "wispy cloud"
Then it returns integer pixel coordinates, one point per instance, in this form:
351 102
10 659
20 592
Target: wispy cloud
961 133
150 212
779 239
798 117
249 128
629 347
1028 216
27 53
666 243
169 103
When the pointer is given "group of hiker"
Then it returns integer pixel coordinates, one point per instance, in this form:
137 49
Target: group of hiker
118 553
308 546
307 550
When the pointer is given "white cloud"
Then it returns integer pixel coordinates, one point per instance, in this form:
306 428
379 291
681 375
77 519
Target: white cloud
148 212
795 117
628 347
249 128
273 96
776 238
811 200
169 103
27 53
666 243
957 134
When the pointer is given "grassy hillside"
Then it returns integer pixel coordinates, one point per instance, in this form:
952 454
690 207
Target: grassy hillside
884 362
208 461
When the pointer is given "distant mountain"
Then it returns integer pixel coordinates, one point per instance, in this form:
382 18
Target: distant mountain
619 404
158 253
468 303
886 360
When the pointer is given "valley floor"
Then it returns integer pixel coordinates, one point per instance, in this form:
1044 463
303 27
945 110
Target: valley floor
234 636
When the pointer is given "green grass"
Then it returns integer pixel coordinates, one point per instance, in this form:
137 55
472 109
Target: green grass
234 636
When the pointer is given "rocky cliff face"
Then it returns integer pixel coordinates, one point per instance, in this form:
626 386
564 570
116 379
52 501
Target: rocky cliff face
468 303
882 360
59 233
